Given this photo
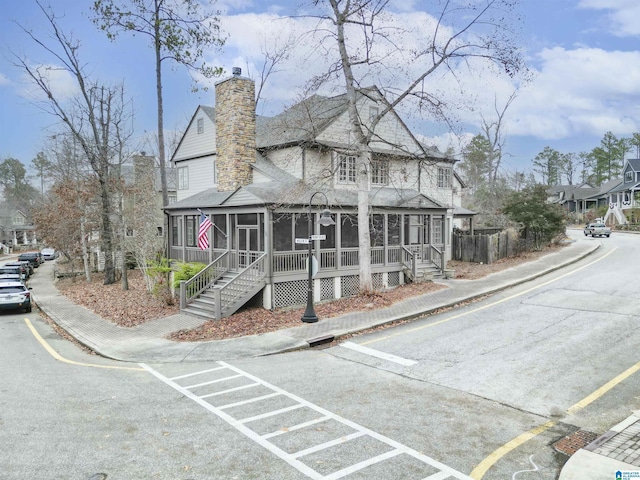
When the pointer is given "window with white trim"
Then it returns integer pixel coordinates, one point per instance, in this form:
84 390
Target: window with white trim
183 178
379 172
200 125
628 176
346 169
444 177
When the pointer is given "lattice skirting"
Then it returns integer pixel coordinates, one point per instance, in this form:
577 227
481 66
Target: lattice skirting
286 294
327 292
292 293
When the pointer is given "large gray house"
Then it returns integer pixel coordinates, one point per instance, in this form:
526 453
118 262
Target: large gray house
254 177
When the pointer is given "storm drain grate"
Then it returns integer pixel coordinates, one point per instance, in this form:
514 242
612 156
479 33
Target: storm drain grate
574 442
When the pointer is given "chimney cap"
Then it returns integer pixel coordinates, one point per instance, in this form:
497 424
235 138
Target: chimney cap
236 71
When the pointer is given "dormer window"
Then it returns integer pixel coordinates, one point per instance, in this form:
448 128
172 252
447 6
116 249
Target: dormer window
628 176
200 126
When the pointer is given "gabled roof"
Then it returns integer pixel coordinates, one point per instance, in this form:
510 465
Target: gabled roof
634 163
303 122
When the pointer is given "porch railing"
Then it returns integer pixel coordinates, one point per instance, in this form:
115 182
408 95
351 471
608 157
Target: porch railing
239 286
190 289
286 262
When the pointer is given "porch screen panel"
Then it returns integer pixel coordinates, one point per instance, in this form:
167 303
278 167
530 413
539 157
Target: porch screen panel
393 229
349 231
330 232
302 230
176 231
376 230
220 231
283 232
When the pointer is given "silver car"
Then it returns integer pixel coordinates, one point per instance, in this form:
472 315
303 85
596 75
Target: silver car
15 296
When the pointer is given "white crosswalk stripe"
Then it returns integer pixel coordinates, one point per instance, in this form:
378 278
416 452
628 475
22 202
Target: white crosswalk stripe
249 424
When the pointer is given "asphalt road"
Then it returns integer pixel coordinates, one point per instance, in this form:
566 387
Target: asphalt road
483 390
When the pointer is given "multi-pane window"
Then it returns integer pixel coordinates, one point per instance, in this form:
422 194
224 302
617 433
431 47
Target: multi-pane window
444 177
200 125
628 176
191 231
183 178
379 172
347 169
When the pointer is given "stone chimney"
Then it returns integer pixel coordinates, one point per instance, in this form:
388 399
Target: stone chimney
235 131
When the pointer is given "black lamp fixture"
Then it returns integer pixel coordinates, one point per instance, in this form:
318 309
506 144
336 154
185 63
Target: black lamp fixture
325 220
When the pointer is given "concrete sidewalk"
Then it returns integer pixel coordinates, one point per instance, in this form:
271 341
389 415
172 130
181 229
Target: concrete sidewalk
616 451
148 343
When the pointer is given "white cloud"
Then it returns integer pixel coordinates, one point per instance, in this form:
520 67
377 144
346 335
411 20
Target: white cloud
4 80
623 14
61 83
582 91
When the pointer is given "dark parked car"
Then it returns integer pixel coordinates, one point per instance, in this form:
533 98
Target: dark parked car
14 270
14 295
25 267
32 257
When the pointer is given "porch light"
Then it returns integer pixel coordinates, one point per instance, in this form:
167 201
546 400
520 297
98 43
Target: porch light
325 220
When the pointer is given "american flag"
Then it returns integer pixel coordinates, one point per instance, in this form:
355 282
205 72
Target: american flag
203 238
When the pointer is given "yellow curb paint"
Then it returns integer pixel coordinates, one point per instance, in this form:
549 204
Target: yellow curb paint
488 462
58 357
492 459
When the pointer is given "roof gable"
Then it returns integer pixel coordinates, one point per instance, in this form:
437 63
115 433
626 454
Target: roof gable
192 144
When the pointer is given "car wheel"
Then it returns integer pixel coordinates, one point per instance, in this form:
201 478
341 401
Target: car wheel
607 236
28 309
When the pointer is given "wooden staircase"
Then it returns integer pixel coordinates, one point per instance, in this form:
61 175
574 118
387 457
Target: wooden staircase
425 272
224 292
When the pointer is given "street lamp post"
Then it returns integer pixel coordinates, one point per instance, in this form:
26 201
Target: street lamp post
325 220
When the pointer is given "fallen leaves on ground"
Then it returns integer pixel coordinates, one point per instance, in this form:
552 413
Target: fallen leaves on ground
255 321
126 308
136 305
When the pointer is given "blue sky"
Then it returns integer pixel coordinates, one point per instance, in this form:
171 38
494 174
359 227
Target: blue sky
583 55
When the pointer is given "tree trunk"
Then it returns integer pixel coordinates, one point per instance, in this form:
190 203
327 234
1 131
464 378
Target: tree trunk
107 233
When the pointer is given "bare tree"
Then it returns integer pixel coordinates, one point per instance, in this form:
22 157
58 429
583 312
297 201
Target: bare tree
177 30
98 119
365 41
493 131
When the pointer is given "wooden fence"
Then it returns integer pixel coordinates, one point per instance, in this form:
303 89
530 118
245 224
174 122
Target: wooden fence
486 248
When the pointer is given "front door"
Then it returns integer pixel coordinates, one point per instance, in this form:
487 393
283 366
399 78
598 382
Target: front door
247 245
416 236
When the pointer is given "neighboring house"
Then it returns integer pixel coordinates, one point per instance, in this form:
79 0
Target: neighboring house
17 229
617 195
254 177
140 177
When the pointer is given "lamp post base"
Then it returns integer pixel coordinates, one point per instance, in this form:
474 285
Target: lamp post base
309 314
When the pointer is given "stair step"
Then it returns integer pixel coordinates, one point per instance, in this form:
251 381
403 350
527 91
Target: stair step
199 312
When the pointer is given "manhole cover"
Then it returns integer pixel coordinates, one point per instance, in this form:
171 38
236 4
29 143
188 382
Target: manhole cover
574 442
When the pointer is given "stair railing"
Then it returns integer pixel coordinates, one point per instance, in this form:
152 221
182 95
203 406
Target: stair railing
410 261
437 258
239 285
190 289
